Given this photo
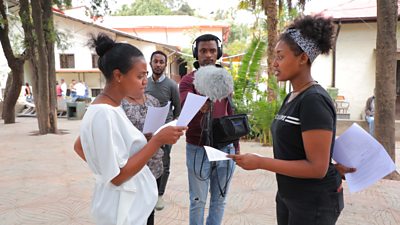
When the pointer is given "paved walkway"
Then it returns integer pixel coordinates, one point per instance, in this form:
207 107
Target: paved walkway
42 181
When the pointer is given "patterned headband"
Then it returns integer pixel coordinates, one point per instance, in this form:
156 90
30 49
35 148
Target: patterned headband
307 45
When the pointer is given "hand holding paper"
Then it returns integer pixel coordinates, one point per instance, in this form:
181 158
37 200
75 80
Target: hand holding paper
172 123
356 148
192 106
168 135
215 154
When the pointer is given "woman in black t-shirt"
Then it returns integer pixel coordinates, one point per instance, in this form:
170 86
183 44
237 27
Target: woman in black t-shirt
309 185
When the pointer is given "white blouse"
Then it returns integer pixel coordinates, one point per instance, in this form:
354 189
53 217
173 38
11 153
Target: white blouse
108 140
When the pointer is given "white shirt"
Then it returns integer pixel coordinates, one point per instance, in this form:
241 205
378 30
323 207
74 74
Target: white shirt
108 140
80 89
161 79
64 89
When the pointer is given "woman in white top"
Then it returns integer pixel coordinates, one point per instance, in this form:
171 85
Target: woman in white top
126 191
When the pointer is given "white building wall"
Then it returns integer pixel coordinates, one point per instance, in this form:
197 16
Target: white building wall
355 65
321 70
79 35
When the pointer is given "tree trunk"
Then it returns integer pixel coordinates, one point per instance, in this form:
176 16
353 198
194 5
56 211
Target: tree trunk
13 89
45 108
26 20
271 11
50 40
386 46
16 64
39 41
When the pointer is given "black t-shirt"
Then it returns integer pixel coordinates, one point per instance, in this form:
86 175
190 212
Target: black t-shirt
310 110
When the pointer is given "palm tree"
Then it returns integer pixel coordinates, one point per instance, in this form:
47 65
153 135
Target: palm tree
273 9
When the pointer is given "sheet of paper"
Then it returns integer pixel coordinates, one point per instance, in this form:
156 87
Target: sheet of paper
357 148
155 118
172 123
193 104
215 154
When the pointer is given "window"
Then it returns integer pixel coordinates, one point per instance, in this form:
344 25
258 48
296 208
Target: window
96 91
95 59
67 61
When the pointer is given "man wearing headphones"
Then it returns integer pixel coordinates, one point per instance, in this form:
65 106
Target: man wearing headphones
164 90
203 175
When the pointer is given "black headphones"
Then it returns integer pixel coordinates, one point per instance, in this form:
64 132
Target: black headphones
209 36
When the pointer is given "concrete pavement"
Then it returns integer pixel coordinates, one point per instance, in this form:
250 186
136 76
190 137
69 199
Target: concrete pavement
42 181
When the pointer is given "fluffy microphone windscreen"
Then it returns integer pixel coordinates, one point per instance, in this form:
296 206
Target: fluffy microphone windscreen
214 82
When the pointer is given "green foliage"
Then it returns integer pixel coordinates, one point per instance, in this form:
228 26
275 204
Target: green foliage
264 112
62 4
99 7
238 32
155 7
235 47
287 16
184 9
62 40
246 82
15 34
252 101
2 22
255 7
188 57
144 8
173 4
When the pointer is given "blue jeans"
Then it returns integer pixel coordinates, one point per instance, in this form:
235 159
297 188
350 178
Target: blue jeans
204 175
371 123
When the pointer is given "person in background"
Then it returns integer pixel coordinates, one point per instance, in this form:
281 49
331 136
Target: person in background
28 93
72 89
116 152
63 87
86 90
369 114
165 90
80 90
58 89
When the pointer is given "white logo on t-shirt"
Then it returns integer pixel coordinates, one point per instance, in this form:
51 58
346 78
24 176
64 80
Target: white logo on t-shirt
288 119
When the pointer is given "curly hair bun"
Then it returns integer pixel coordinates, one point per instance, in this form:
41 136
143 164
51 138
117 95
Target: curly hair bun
102 43
317 28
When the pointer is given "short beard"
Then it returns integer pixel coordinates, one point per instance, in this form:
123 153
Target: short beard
158 74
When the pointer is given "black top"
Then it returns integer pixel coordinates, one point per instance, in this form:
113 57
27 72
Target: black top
310 110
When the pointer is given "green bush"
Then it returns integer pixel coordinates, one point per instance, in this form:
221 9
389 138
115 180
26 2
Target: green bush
250 100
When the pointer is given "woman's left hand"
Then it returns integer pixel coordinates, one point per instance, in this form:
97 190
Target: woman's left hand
344 169
248 161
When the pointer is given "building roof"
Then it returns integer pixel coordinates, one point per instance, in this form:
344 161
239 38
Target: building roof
117 32
178 21
353 11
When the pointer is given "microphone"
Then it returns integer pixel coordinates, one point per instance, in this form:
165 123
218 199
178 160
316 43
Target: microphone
214 82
